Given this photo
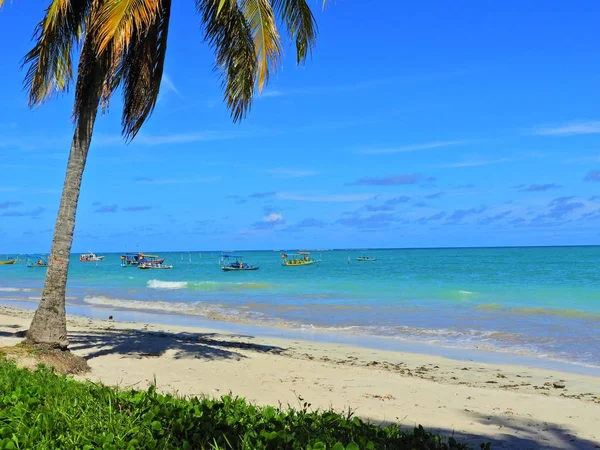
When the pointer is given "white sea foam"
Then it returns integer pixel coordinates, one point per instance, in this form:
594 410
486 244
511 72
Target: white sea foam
14 289
192 309
158 284
184 308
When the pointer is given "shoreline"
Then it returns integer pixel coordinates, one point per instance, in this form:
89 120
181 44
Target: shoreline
511 406
278 330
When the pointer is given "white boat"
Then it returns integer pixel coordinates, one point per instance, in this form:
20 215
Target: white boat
150 265
90 257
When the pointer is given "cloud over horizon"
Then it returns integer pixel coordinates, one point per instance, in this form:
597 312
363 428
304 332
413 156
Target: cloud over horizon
392 180
592 175
570 129
540 187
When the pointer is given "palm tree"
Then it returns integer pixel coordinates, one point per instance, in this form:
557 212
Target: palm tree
123 45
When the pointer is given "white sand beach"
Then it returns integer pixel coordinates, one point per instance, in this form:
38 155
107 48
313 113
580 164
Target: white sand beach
510 406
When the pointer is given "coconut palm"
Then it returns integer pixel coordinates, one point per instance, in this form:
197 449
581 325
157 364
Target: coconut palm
123 46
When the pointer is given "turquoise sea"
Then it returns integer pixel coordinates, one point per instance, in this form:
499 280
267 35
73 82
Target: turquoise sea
541 302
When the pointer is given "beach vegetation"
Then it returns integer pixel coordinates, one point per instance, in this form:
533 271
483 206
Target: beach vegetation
42 410
121 47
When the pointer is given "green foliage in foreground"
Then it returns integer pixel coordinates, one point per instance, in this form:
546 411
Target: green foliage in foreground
40 410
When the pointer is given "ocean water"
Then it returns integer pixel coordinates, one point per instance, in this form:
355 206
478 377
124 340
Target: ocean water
542 302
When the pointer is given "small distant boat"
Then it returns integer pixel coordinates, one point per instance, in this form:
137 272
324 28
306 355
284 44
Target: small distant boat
366 258
132 259
237 265
153 262
8 262
41 262
154 265
90 257
301 259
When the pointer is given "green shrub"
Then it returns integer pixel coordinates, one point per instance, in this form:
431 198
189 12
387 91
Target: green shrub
40 410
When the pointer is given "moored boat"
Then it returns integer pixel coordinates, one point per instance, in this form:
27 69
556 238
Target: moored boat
90 257
133 259
301 259
237 265
153 262
154 265
366 258
8 262
40 262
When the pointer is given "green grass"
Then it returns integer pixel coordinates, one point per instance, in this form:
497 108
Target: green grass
41 410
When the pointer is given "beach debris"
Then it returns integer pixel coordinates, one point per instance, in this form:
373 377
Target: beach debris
110 317
381 397
559 385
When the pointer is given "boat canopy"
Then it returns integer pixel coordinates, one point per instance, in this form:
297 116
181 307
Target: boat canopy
303 253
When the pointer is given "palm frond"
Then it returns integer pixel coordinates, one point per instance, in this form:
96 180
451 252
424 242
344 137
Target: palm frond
1 3
118 20
141 70
267 43
49 61
91 74
300 23
228 32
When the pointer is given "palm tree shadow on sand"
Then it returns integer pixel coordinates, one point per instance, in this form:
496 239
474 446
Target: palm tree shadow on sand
517 433
144 343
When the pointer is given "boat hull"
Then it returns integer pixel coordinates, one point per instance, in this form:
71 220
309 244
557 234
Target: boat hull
8 263
366 259
236 269
150 267
299 263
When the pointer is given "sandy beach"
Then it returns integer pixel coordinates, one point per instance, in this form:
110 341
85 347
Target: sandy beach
510 406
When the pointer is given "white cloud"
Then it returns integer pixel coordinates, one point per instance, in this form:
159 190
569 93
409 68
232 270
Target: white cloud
169 85
292 173
271 93
570 129
145 180
410 148
475 163
273 217
324 198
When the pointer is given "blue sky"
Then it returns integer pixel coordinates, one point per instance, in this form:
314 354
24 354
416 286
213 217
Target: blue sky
414 124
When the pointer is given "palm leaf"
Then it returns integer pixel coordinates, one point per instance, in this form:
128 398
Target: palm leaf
228 32
49 61
267 43
91 74
141 70
118 20
300 23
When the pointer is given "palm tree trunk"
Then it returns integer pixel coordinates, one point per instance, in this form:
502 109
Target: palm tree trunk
49 325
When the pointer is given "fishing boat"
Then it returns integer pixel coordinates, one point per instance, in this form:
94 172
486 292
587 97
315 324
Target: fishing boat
366 258
300 259
90 257
8 262
132 259
236 265
153 262
40 262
